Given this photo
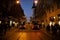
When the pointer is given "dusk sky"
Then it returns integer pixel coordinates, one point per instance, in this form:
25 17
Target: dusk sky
27 7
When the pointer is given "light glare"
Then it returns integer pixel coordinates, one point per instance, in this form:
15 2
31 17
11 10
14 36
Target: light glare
17 2
36 2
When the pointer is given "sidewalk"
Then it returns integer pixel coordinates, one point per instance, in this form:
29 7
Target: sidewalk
9 33
54 37
47 33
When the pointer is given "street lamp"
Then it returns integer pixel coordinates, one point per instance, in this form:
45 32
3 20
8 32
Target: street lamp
35 2
17 2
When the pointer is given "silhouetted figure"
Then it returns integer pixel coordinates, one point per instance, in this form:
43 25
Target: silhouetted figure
48 28
9 27
5 25
59 29
56 27
1 28
40 26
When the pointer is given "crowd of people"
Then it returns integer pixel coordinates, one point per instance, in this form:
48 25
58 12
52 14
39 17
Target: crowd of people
55 29
4 26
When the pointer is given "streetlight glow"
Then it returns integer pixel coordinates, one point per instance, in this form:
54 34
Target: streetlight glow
36 1
17 2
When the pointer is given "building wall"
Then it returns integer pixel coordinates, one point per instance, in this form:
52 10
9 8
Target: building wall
50 13
50 10
11 10
10 6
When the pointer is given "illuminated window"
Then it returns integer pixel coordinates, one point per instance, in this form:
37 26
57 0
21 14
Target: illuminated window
10 23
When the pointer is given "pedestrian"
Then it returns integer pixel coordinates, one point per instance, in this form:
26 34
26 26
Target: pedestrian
53 29
48 28
56 28
1 28
5 25
40 26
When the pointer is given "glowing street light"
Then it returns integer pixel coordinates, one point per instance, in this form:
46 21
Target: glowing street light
36 1
17 2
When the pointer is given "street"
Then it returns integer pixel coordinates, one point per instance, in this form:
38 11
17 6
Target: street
29 19
27 35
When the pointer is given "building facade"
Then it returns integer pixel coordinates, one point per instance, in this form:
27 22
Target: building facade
11 11
48 11
11 8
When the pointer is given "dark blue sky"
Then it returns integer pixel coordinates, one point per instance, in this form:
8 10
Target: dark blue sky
27 7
